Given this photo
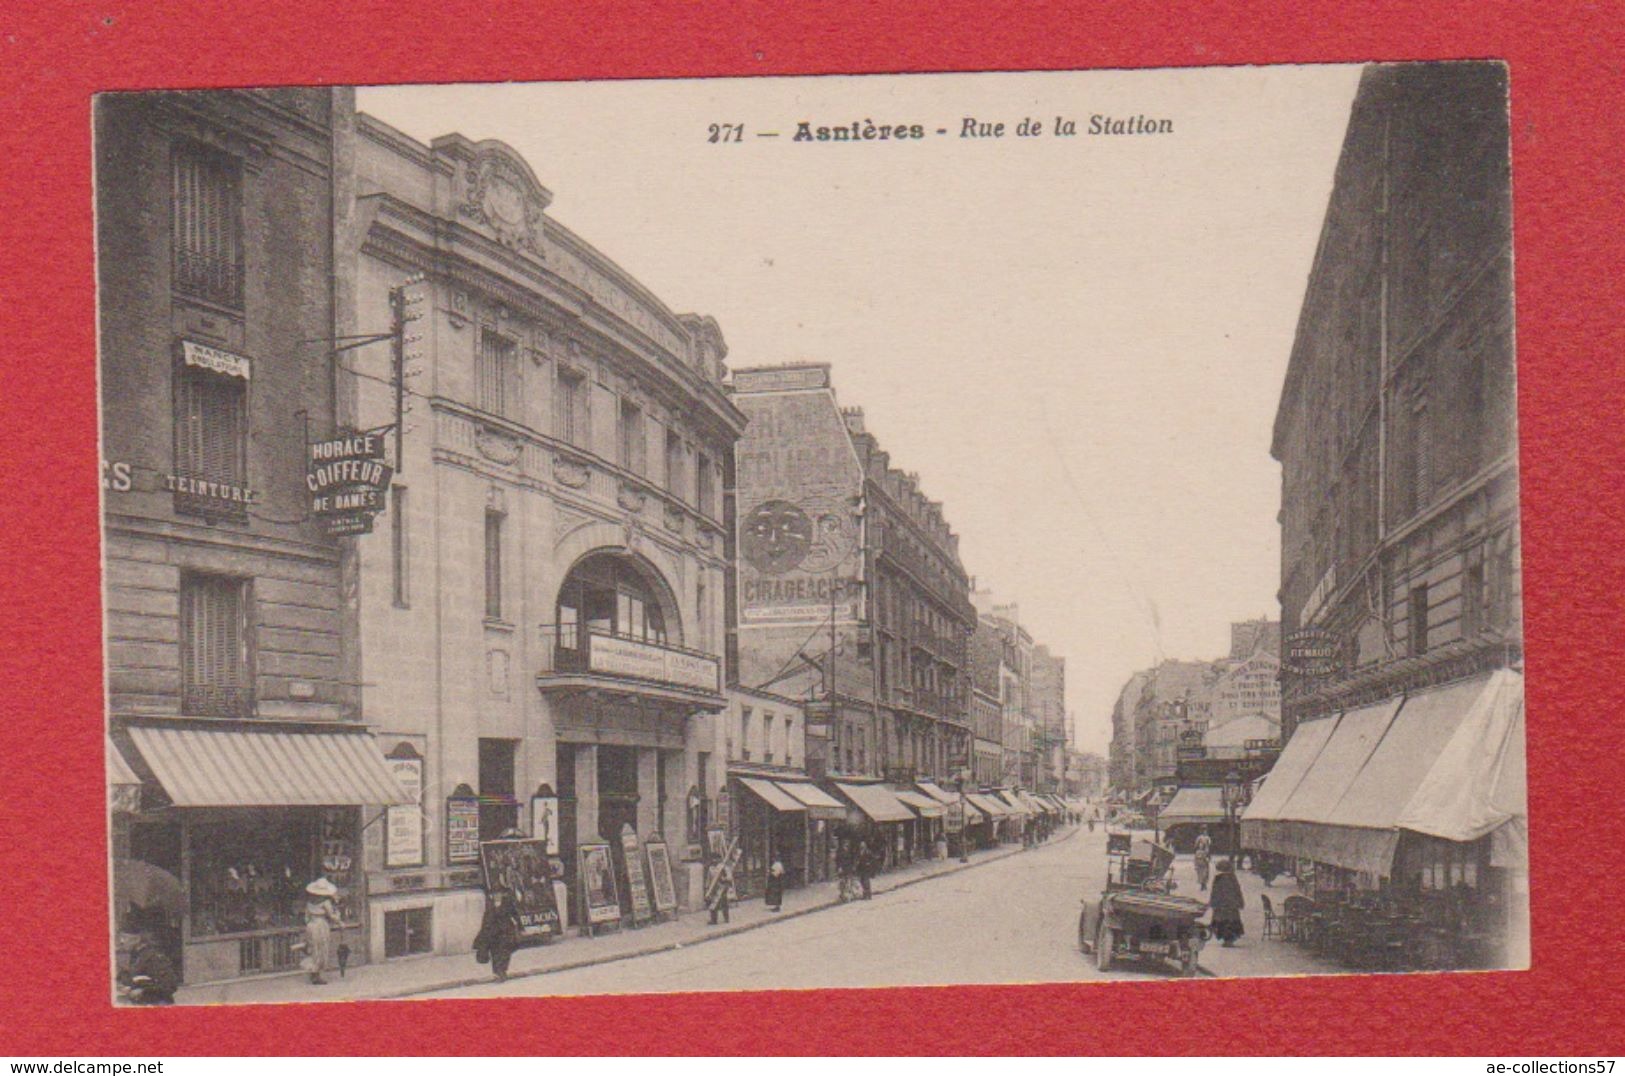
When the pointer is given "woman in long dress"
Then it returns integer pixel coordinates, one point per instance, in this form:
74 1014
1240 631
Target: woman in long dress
321 916
1226 901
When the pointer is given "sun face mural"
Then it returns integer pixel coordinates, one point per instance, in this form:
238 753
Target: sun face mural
776 537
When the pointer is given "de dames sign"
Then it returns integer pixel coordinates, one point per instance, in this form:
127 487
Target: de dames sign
348 481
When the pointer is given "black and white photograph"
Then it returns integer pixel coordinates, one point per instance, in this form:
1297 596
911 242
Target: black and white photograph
626 537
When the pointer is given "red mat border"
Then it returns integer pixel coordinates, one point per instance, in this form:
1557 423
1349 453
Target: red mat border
1567 108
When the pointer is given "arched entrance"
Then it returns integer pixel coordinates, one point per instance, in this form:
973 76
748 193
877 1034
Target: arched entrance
613 593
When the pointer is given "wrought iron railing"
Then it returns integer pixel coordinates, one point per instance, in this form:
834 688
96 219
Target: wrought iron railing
206 276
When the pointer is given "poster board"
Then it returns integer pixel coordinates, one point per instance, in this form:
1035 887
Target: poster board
637 883
404 844
462 829
596 870
520 868
660 878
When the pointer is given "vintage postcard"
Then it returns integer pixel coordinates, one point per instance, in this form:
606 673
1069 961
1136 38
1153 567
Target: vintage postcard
620 537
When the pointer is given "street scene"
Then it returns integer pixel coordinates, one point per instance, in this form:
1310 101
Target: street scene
815 565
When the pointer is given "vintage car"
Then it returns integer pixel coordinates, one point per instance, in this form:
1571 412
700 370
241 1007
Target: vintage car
1138 915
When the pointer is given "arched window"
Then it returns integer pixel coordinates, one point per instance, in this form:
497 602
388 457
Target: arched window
610 595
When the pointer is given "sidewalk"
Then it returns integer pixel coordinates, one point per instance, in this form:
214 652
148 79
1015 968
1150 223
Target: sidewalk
1253 954
421 975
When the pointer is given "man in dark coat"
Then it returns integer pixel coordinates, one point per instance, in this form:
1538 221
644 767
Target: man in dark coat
866 867
1226 901
499 933
151 978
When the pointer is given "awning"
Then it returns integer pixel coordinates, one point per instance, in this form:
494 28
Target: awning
925 805
1036 803
1261 821
1477 784
1443 749
205 767
772 795
819 804
876 801
1013 801
974 815
991 806
1193 806
123 786
935 792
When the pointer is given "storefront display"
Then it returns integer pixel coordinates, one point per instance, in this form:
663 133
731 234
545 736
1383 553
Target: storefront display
249 869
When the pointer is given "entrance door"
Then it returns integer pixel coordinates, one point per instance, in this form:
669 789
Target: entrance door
617 807
566 771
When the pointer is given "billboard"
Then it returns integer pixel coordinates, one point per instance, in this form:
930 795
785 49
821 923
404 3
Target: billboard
800 489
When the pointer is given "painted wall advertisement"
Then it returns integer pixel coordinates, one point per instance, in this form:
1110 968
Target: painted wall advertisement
799 534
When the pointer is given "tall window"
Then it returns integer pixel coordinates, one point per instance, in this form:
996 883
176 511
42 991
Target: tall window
1474 595
633 449
789 731
1422 459
497 371
702 483
493 565
211 440
767 737
571 402
400 549
674 463
1419 620
499 808
744 733
215 678
206 229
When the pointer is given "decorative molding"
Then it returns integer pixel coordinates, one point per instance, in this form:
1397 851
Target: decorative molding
571 472
496 498
674 518
499 195
567 521
631 498
497 447
496 662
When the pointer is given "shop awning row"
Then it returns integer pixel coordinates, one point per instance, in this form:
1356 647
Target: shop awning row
1448 762
206 767
923 805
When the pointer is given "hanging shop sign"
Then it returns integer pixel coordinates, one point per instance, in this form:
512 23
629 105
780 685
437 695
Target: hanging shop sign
520 868
463 826
596 870
348 481
1313 653
637 884
403 823
660 880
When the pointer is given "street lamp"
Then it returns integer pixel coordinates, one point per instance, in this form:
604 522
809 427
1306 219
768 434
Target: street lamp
1232 806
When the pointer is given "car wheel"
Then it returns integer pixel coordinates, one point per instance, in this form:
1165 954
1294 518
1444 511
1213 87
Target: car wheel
1105 947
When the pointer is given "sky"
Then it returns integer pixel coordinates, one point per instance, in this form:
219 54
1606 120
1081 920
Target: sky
1078 342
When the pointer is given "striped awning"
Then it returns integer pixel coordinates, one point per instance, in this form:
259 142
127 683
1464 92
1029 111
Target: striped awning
923 804
118 769
878 802
772 795
991 806
204 767
935 792
819 804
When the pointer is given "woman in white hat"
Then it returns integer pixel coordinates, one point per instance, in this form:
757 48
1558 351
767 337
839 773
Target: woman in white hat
321 916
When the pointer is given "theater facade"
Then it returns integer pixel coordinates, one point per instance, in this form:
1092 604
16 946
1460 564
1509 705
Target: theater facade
542 599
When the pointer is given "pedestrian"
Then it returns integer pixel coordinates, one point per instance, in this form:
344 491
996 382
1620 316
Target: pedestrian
773 892
1227 902
321 916
150 977
1204 856
720 891
866 868
499 933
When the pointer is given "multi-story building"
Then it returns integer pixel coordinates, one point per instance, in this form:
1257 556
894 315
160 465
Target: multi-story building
542 607
1049 718
850 591
241 767
1399 516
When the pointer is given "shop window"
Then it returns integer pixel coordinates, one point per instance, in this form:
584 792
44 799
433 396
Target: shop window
493 565
215 679
1474 596
572 406
206 229
497 375
211 442
249 872
408 932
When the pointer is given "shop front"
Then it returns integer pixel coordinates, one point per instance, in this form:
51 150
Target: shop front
824 813
1411 810
928 829
232 825
769 824
876 809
